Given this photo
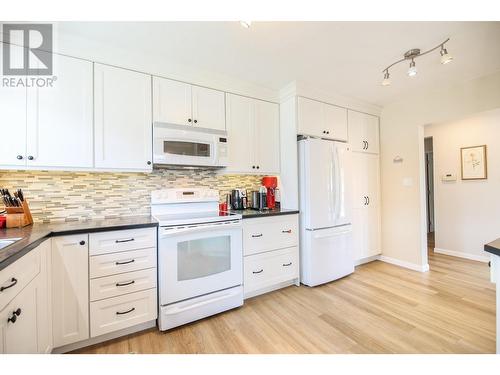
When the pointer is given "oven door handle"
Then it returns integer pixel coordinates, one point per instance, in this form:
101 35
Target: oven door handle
175 231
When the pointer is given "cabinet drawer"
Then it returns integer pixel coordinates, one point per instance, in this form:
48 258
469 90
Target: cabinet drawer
121 312
126 261
121 240
123 283
16 276
271 268
270 233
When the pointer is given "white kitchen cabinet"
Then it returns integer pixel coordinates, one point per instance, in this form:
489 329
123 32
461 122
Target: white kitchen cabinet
366 205
180 103
13 123
70 289
363 132
318 119
60 125
123 119
253 135
25 322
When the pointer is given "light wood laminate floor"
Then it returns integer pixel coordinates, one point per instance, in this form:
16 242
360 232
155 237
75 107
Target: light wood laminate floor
381 308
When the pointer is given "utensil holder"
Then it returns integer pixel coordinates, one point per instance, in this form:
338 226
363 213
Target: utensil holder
18 217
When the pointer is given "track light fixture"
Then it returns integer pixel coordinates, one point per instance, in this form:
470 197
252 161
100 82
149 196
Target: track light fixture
412 55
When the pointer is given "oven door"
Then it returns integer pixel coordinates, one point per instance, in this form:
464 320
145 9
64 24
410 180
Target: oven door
174 145
199 259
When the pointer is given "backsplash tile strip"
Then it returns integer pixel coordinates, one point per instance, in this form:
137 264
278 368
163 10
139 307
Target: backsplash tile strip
75 196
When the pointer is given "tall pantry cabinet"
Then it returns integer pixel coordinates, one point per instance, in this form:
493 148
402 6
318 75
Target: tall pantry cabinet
363 132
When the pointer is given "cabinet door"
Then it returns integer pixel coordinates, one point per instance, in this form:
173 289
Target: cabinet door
363 131
60 127
335 122
208 108
172 101
70 289
359 233
372 173
44 299
240 114
372 133
359 179
372 231
267 137
123 119
311 118
18 322
13 121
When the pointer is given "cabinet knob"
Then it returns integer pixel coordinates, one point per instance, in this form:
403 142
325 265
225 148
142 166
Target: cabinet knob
328 132
18 311
19 157
324 132
30 157
195 121
253 166
189 120
258 167
149 162
82 243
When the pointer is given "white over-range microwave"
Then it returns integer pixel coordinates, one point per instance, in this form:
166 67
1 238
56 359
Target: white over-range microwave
183 146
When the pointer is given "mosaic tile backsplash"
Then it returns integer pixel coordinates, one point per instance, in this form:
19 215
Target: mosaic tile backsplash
75 196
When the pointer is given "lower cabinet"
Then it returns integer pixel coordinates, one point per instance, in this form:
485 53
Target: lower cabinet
25 324
271 253
70 289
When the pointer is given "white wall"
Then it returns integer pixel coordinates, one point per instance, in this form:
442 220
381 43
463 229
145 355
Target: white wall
467 213
403 207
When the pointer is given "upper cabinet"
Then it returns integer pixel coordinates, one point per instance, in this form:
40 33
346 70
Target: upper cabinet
50 126
180 103
363 132
322 120
253 135
123 119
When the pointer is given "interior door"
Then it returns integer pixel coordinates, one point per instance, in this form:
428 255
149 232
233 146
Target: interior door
336 122
60 126
267 131
311 117
13 123
240 114
123 126
208 108
172 102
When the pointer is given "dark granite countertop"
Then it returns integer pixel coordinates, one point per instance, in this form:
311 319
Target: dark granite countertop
493 247
34 235
250 214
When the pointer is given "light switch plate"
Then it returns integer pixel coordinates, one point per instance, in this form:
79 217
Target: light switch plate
449 177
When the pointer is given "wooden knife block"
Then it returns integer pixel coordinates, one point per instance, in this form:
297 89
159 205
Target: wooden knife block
18 217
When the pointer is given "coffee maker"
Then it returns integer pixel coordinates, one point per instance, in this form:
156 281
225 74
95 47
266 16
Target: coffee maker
271 183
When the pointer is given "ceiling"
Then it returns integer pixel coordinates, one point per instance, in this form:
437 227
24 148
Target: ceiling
341 57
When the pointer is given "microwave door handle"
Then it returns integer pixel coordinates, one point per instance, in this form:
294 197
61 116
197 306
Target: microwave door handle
197 229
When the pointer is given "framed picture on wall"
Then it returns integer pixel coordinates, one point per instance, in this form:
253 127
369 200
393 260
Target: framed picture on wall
474 163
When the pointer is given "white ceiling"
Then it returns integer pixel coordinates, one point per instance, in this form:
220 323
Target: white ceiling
342 57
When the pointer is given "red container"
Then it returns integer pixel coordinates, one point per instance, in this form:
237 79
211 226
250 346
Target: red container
3 221
271 183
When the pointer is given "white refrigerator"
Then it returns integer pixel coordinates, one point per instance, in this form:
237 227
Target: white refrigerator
325 211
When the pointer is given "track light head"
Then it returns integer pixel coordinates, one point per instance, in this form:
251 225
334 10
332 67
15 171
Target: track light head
445 56
386 81
412 72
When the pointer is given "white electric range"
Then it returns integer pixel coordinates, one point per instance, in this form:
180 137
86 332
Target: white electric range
200 256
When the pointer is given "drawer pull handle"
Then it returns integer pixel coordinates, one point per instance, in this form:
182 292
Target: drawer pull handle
14 316
287 264
286 231
125 284
256 235
261 270
127 240
126 262
125 312
13 281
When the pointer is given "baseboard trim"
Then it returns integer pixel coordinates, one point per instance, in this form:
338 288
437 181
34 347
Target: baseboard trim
366 260
401 263
459 254
106 337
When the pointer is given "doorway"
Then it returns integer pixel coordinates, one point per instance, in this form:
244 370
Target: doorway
429 192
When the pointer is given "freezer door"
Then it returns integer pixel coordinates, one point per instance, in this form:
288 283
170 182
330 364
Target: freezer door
323 183
326 255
